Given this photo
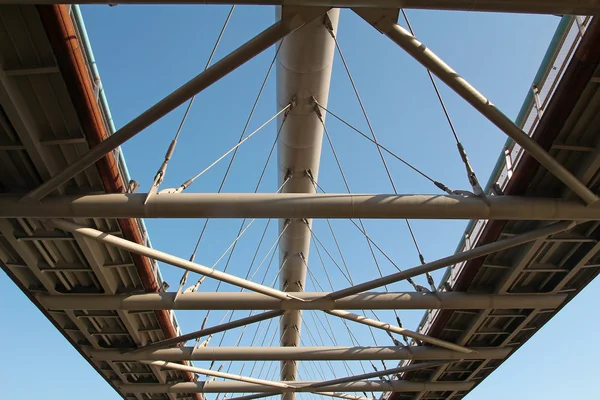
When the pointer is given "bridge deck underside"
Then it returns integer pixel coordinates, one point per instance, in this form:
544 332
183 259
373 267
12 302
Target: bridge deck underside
564 264
43 129
40 133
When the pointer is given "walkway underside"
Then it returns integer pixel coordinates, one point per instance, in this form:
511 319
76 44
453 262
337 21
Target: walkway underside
72 240
574 7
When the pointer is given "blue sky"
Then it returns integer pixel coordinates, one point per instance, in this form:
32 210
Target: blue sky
144 52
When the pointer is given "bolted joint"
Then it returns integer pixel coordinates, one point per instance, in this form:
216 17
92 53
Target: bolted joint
316 107
169 154
462 152
497 190
538 103
430 279
164 287
308 173
301 256
443 187
318 112
328 25
158 178
184 278
293 102
133 186
185 184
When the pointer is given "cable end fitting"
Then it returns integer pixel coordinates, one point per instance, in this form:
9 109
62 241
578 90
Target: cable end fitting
288 175
443 187
328 25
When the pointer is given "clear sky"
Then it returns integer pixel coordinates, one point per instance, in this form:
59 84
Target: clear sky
144 52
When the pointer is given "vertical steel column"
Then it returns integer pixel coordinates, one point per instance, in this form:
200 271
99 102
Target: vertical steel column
303 72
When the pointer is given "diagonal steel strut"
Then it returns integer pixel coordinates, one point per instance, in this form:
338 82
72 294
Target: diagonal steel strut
218 374
167 258
443 71
377 374
208 331
455 258
396 329
238 57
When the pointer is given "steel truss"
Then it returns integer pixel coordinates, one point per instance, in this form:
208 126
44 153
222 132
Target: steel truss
299 206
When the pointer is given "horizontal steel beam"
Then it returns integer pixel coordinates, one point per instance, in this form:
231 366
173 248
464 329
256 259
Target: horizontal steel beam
308 301
304 386
302 353
297 205
589 7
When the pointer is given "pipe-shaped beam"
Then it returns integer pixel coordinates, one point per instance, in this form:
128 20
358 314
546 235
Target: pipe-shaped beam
560 7
209 331
444 72
396 329
218 374
298 205
167 258
309 301
243 387
302 353
454 259
241 55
